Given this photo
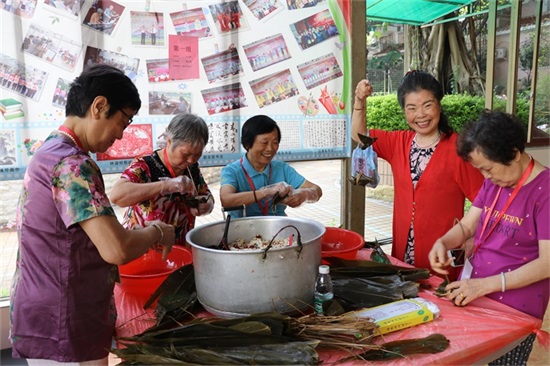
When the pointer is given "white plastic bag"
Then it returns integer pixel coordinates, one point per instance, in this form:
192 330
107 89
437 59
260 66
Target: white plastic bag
364 166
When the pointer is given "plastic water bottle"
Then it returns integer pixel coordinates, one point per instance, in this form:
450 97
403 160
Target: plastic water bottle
323 289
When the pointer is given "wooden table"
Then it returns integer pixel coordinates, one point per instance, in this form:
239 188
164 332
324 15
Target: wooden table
478 333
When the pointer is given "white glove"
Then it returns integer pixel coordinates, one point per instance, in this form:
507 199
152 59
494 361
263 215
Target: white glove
206 205
181 184
282 188
300 196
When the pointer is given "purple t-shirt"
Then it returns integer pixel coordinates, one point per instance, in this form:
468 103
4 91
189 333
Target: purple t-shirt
62 304
515 240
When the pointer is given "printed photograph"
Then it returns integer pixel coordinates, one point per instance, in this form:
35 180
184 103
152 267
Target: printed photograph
228 17
23 8
60 94
263 8
320 70
224 98
266 52
315 29
103 16
21 78
98 56
274 88
158 71
65 7
191 22
300 4
51 47
222 65
137 141
163 102
147 28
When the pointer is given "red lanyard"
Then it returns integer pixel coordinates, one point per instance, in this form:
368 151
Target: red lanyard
508 202
264 207
168 165
70 132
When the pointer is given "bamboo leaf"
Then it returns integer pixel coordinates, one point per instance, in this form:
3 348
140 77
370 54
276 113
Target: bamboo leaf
434 343
356 293
252 327
293 353
181 279
359 268
278 323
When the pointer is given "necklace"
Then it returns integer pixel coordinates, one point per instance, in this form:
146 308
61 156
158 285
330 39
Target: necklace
430 144
69 136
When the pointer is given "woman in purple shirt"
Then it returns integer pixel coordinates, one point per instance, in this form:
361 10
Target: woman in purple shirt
509 260
70 240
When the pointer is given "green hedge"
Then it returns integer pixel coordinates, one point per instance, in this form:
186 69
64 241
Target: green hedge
384 112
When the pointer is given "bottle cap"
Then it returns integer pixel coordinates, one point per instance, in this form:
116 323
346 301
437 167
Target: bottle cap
324 269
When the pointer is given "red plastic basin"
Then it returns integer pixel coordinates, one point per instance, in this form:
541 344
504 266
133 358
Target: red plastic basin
144 275
341 243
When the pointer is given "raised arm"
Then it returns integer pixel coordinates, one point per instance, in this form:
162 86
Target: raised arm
358 117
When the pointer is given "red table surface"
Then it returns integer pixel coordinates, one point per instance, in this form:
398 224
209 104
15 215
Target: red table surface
476 332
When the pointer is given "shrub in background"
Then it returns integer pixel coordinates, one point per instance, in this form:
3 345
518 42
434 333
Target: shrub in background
384 112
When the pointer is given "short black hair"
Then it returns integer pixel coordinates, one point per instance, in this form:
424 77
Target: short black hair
257 125
417 80
101 80
497 135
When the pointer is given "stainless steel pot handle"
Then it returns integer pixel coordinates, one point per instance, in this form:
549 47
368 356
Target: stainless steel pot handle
234 208
299 241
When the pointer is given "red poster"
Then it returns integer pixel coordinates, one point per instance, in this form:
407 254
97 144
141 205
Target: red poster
183 57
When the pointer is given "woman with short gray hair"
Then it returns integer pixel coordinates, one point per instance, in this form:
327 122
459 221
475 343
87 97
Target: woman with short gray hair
168 184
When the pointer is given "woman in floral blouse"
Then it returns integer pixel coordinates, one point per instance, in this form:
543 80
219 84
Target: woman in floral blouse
168 185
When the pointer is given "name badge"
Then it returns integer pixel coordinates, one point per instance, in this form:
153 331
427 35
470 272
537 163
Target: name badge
466 270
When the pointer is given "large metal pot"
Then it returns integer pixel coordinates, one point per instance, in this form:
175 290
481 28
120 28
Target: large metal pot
240 283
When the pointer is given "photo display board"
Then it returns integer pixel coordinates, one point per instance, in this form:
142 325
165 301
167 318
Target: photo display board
225 61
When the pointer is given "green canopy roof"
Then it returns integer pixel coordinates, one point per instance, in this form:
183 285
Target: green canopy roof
412 12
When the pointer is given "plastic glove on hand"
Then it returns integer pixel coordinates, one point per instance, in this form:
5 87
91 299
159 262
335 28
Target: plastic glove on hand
281 189
300 196
204 207
181 184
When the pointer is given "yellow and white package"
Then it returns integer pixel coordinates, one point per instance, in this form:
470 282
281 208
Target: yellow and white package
400 314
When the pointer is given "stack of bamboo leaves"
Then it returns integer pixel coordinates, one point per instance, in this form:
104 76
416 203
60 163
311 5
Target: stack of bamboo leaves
272 338
365 284
263 339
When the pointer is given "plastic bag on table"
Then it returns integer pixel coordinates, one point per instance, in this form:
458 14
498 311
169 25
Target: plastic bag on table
364 165
131 318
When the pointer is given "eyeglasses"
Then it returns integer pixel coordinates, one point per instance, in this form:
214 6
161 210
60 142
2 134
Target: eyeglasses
130 118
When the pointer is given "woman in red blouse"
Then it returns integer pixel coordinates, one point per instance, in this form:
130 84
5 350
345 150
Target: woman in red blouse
431 182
